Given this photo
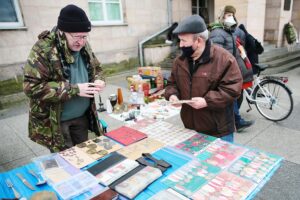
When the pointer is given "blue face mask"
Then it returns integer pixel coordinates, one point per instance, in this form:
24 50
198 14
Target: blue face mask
187 51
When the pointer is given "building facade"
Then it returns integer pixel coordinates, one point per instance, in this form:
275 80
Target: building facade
119 25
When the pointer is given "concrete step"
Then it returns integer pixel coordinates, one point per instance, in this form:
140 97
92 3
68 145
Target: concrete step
268 47
285 60
276 54
273 51
283 68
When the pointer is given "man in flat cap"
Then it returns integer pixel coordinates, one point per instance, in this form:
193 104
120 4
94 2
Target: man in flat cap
208 75
61 77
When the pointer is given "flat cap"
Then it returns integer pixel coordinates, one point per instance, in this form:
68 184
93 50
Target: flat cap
191 24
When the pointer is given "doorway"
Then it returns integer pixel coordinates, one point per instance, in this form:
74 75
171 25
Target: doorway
204 8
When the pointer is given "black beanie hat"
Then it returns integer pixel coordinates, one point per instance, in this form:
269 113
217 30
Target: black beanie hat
73 19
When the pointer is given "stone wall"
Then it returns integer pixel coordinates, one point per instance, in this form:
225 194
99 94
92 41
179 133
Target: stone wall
276 18
156 54
296 15
112 43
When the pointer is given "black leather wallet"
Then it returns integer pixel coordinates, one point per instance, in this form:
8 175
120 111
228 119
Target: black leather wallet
113 159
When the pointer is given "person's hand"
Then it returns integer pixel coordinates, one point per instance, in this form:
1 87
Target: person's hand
88 89
101 84
198 103
174 98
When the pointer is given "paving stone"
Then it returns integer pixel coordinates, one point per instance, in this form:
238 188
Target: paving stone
284 184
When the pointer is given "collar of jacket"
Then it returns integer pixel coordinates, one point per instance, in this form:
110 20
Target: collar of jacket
205 56
216 25
66 51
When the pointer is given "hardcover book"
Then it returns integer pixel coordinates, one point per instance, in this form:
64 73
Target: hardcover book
126 135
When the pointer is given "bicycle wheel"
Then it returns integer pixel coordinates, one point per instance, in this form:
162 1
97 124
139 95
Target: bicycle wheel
273 100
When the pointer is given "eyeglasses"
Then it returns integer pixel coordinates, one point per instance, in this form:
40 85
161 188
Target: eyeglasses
79 37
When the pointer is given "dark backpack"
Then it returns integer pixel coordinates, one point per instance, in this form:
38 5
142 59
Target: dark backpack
251 43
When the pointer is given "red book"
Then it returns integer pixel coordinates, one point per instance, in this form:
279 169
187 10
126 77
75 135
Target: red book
126 135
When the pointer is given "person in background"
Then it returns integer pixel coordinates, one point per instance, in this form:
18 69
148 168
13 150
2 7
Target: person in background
226 34
61 77
172 38
207 74
291 35
253 48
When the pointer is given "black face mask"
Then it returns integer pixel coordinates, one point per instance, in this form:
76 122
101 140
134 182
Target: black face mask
187 51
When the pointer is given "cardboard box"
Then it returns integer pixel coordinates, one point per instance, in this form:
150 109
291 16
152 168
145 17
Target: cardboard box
149 71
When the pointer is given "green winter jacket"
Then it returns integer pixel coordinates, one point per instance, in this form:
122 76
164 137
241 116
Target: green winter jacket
46 84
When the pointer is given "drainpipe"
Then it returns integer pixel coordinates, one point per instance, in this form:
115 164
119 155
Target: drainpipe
170 20
170 12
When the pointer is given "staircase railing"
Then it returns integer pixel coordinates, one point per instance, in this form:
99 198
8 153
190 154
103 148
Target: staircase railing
141 43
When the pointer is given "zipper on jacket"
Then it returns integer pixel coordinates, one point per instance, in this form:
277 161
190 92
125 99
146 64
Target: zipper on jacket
191 79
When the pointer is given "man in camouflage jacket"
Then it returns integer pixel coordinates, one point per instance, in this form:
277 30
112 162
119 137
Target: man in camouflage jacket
47 78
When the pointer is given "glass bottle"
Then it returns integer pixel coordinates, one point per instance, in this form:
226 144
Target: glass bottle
120 96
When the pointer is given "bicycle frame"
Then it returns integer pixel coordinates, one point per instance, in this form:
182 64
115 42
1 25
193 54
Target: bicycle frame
248 96
266 93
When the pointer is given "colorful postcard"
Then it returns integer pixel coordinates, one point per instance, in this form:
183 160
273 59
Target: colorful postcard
159 109
189 178
225 186
255 165
196 143
221 153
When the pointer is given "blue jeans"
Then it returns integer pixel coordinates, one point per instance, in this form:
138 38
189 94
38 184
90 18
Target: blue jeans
237 116
228 138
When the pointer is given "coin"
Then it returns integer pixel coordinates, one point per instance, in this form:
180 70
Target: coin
102 152
81 145
92 146
91 151
96 140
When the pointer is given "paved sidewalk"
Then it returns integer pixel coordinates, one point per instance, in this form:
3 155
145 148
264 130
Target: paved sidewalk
280 138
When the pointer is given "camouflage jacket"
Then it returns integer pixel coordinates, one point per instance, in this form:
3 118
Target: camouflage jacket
47 86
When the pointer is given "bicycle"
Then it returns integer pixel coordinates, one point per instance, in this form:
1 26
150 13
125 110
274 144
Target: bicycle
271 96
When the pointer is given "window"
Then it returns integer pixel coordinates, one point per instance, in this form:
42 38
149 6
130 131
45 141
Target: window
105 12
10 14
199 7
287 5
